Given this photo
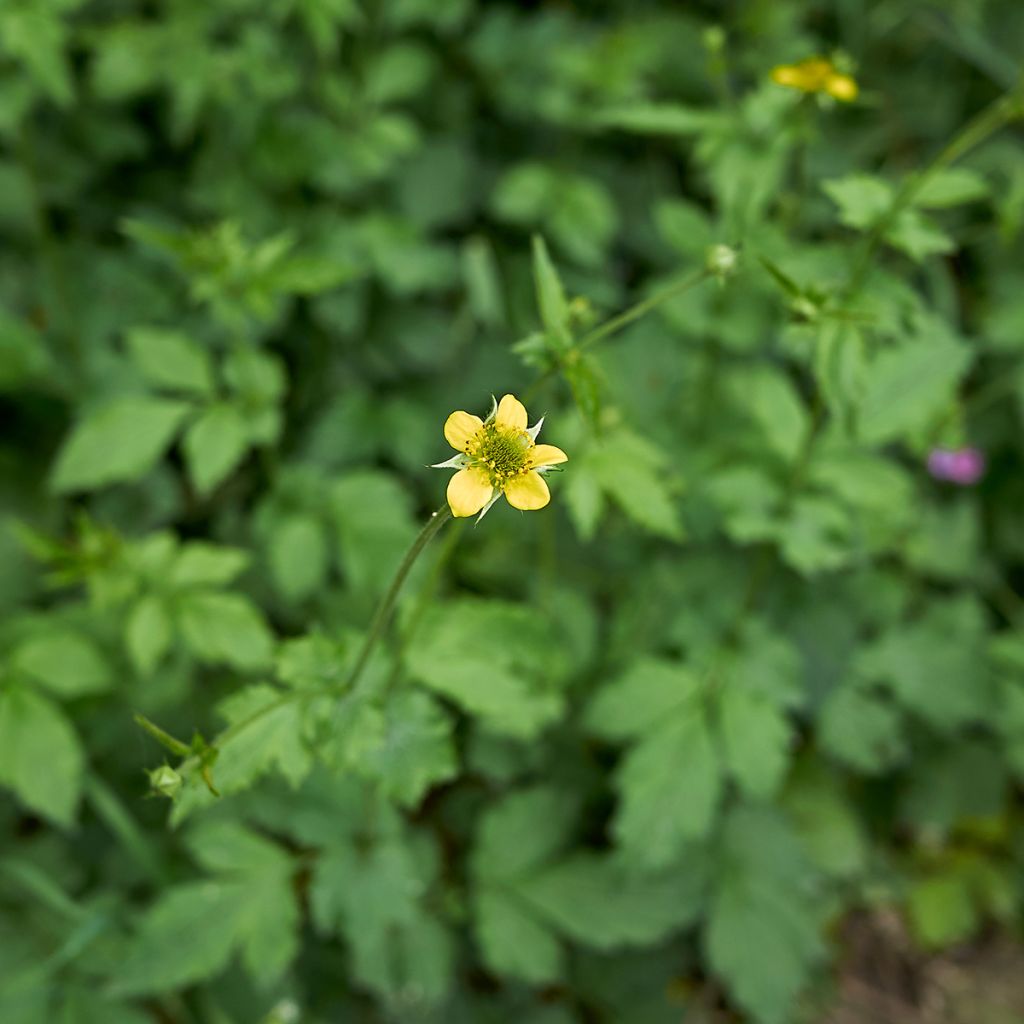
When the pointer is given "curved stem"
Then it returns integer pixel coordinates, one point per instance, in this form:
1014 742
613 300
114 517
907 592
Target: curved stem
382 615
623 319
977 130
616 323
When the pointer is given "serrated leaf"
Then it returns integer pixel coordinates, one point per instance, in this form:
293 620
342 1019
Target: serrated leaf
121 440
513 942
594 901
862 199
215 445
524 830
298 555
756 737
148 633
770 399
497 660
905 386
201 564
554 310
416 749
170 359
861 729
272 738
634 474
669 782
223 627
65 662
193 929
951 186
763 933
669 786
641 698
934 665
373 519
41 758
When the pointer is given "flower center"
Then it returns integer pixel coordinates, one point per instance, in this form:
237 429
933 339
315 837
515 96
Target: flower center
503 453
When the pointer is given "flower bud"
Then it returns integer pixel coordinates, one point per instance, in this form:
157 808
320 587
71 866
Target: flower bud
165 781
722 261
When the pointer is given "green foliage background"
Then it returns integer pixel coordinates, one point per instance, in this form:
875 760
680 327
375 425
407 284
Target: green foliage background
751 670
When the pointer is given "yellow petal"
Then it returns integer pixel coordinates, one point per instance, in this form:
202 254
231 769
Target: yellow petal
511 413
841 87
468 491
460 427
546 455
786 74
528 492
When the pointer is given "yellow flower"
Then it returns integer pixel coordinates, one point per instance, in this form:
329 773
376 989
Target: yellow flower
816 74
497 456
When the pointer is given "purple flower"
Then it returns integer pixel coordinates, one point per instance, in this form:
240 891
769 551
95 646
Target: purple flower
963 466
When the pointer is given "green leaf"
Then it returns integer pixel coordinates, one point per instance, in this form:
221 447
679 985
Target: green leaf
373 893
37 35
298 555
861 729
193 929
756 738
669 785
763 933
65 662
41 758
770 399
215 445
372 515
862 199
592 900
498 661
201 564
225 627
148 633
416 749
905 387
916 235
267 733
942 910
826 821
514 943
522 831
934 666
169 359
670 781
121 440
554 310
952 186
654 119
635 474
525 890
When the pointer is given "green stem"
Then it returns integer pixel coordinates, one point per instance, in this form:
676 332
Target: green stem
383 614
642 308
426 595
376 631
977 130
616 323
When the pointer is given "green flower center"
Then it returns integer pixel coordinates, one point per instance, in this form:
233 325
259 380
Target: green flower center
503 453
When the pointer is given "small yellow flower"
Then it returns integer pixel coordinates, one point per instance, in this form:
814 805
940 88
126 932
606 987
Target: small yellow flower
497 456
816 74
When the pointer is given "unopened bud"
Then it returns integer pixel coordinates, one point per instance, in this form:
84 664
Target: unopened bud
165 781
722 261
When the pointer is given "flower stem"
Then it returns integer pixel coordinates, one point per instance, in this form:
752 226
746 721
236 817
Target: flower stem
995 116
616 323
383 614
